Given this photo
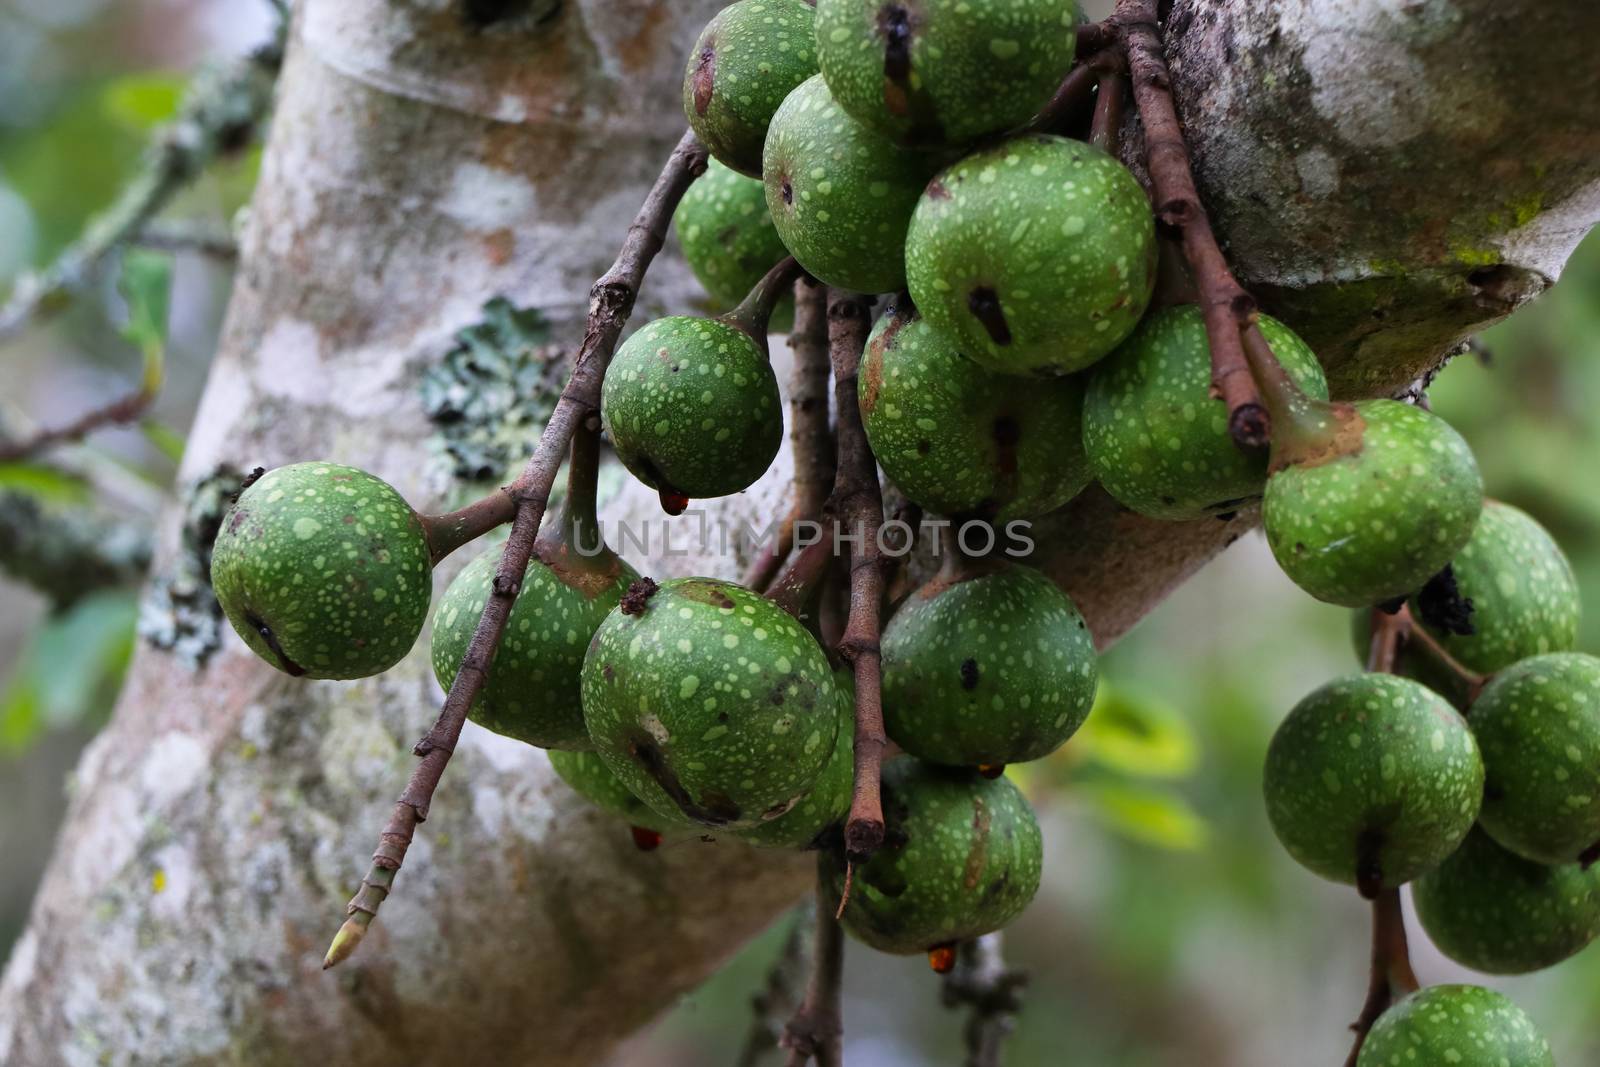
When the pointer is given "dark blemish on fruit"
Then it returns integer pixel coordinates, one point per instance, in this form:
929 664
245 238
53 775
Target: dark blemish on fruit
285 664
704 78
984 303
978 854
606 672
894 23
996 887
969 674
250 479
924 447
637 598
936 191
713 809
787 191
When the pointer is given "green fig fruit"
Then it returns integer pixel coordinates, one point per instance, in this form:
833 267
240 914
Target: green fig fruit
961 858
1538 723
1376 510
747 59
1496 912
840 194
691 406
1455 1026
929 72
1156 436
1372 780
709 701
993 668
961 440
1037 256
1523 593
532 692
324 570
592 780
822 811
728 238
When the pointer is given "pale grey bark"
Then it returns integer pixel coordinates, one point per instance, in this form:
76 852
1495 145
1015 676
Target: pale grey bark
419 165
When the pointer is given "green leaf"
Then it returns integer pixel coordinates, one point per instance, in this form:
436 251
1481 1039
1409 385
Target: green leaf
1146 814
1137 735
44 483
71 669
141 102
146 284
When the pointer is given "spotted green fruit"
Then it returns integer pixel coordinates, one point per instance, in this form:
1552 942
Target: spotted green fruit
745 62
1382 512
532 690
817 818
934 72
1156 437
1524 596
1538 723
728 238
691 406
1496 912
961 858
1372 777
1455 1026
1037 256
592 780
840 194
711 702
961 440
324 571
992 669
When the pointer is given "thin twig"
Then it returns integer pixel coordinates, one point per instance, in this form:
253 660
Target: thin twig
782 992
1227 308
176 235
1105 129
220 113
1095 36
610 302
810 441
982 981
816 1030
858 504
1388 630
1392 976
122 410
1425 642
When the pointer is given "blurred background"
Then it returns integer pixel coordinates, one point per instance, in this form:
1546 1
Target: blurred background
1171 928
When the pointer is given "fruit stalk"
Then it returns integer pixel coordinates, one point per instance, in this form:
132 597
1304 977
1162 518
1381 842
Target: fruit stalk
1228 309
450 531
755 310
810 437
816 1030
1392 976
610 302
858 500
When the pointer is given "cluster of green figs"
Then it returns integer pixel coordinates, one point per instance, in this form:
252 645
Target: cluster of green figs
891 148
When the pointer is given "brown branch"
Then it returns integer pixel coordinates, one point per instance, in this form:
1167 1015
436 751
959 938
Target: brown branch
781 994
1110 105
858 505
1429 646
982 982
810 440
1095 36
610 302
1227 308
122 410
1392 976
816 1030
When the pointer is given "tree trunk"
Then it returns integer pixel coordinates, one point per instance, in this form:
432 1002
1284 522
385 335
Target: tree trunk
1390 177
